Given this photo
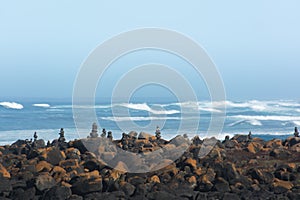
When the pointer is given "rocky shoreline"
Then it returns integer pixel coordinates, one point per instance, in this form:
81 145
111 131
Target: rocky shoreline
140 166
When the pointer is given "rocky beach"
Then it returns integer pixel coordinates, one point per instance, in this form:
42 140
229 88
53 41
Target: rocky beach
99 167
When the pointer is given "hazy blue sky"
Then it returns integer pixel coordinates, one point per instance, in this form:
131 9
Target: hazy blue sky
255 44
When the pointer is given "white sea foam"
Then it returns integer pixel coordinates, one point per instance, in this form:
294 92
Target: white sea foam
253 122
81 106
12 105
145 107
120 119
267 117
297 123
42 105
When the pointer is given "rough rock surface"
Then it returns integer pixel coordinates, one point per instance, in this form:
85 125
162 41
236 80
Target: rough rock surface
238 168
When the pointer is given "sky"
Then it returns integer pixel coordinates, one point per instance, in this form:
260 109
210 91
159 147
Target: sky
254 44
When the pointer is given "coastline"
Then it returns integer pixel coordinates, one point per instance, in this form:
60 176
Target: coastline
236 168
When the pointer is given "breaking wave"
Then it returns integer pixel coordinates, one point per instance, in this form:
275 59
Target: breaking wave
41 105
251 122
120 119
12 105
145 107
267 117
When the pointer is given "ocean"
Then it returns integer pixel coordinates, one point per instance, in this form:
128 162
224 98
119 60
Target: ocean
265 119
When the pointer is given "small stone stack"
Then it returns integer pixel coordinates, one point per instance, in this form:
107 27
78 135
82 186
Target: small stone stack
109 135
61 135
296 133
103 133
35 136
158 133
94 132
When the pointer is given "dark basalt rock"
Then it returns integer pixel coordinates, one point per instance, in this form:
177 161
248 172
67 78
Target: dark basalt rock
58 193
85 186
238 168
55 156
44 182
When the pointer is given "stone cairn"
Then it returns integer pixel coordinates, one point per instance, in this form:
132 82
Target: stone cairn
158 133
103 133
35 136
94 132
109 135
296 133
61 135
226 138
250 136
124 141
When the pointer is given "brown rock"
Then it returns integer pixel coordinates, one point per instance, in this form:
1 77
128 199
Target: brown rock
192 180
59 174
282 186
191 162
43 166
73 153
3 172
254 147
71 163
275 143
154 179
